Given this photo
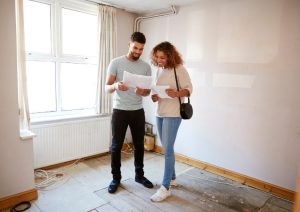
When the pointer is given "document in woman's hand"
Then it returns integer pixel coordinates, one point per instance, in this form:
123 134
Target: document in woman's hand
160 90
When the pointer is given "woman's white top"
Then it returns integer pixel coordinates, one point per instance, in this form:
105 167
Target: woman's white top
170 107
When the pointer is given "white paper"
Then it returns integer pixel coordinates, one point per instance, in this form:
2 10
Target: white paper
160 90
134 80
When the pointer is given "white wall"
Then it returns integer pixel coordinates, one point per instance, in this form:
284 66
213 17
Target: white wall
125 22
16 156
243 57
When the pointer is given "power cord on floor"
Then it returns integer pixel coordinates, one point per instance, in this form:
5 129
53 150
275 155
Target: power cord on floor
22 206
49 178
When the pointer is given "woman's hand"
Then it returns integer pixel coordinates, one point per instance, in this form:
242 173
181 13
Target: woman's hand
172 92
142 92
155 97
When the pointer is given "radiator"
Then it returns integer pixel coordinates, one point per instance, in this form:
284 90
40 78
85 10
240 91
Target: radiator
64 141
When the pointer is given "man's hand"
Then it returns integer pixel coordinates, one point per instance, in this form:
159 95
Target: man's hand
111 84
142 92
120 86
155 97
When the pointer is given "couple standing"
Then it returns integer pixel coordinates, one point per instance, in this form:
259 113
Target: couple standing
128 109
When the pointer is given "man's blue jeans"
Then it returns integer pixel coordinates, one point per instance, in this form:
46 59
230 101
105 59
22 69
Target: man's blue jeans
167 130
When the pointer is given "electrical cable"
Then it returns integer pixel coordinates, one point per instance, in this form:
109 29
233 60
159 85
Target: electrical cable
52 177
22 206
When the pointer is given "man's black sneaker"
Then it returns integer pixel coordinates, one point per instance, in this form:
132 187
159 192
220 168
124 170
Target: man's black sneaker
113 186
144 181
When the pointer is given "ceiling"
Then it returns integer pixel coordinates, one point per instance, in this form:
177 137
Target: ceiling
146 6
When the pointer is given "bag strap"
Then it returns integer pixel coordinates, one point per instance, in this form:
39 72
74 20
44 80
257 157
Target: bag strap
177 84
178 87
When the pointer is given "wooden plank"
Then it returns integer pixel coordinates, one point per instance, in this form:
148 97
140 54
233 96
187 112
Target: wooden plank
107 207
250 181
54 166
180 200
124 200
297 197
10 201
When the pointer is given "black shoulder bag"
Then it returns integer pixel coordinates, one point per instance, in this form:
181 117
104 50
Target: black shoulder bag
186 109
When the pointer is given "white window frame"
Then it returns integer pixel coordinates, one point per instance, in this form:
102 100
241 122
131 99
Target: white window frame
57 57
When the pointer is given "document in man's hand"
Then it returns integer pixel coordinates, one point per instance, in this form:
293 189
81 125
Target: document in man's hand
134 80
160 90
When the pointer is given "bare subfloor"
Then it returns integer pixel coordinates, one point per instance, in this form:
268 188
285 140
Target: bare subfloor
84 188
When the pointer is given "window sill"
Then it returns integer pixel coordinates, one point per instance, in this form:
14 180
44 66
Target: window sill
26 135
55 119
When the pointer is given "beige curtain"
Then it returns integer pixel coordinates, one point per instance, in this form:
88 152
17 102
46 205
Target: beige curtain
107 51
24 116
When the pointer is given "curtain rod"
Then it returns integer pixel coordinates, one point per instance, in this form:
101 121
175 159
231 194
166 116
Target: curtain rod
103 3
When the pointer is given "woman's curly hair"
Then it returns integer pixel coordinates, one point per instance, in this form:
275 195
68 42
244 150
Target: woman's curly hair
173 57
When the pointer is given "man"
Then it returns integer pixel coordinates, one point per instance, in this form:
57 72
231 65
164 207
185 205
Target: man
128 110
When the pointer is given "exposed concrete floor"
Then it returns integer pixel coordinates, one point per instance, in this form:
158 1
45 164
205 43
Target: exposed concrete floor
85 189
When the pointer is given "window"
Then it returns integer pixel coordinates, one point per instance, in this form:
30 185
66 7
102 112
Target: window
61 57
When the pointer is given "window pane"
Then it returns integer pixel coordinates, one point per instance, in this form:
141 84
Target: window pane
78 86
37 27
41 86
79 33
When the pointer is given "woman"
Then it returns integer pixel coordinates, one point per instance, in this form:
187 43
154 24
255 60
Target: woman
167 59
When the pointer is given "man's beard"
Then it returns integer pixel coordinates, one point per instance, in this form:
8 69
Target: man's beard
134 57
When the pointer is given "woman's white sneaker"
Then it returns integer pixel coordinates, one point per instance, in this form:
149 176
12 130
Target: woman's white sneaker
161 194
174 183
